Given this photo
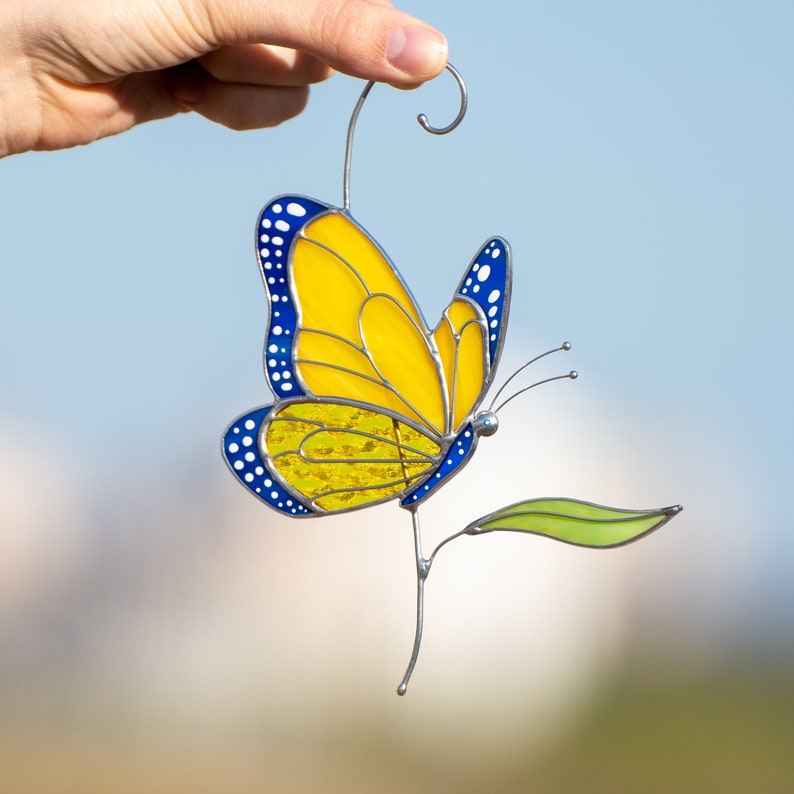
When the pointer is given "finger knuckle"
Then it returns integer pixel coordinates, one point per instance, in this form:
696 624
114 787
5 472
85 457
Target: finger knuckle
277 108
338 24
292 102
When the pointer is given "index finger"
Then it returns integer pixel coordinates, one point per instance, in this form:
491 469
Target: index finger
365 39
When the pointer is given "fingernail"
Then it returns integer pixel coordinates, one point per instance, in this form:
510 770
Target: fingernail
187 87
417 50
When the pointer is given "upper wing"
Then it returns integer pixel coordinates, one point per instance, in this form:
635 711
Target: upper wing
344 325
357 332
470 335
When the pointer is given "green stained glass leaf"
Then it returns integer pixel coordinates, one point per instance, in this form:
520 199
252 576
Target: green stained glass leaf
575 522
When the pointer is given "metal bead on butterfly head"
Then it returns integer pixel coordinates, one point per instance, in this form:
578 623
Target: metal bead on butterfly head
486 423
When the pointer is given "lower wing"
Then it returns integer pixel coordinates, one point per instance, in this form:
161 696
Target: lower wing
307 458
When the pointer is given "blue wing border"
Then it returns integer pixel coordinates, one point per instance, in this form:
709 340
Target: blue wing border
278 224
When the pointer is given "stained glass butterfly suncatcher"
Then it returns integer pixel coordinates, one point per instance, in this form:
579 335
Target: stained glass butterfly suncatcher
371 403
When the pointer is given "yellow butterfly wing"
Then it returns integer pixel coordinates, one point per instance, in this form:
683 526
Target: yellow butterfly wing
360 334
369 400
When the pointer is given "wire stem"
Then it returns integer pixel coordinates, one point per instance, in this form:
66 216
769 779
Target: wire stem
422 570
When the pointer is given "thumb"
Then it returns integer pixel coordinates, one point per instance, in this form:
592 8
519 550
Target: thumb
362 38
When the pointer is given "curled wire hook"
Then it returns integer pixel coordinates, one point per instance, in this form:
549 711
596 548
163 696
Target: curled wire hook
464 104
421 118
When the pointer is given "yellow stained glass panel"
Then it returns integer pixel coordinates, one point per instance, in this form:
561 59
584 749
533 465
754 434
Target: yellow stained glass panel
470 372
353 342
329 292
463 359
344 456
402 355
338 232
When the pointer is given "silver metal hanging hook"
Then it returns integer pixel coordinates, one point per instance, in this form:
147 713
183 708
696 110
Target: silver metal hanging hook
464 104
421 118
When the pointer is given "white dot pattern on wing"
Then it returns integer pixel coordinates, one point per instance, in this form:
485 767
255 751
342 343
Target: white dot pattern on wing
484 284
242 453
457 456
278 225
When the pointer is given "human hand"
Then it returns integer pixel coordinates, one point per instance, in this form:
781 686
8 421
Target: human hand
72 71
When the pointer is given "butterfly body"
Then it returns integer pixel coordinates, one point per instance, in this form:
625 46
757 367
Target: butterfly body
371 404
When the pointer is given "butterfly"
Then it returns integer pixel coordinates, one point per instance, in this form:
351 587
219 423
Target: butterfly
371 403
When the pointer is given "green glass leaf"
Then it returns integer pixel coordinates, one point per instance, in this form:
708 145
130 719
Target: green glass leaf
576 522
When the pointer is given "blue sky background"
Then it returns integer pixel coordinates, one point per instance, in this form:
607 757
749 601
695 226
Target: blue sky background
637 156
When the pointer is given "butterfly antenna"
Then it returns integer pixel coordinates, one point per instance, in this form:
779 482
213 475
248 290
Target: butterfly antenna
421 118
572 375
566 346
